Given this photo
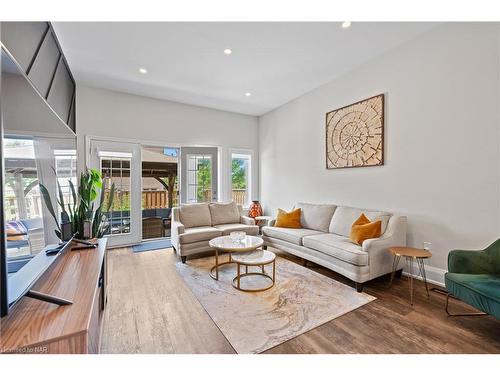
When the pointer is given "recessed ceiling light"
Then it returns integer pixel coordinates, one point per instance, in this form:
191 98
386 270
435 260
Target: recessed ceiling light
248 94
228 51
143 70
346 24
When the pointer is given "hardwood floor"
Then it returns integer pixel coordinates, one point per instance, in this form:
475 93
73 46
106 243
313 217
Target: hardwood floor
151 310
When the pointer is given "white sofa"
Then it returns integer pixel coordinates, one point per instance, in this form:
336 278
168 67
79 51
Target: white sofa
194 225
324 239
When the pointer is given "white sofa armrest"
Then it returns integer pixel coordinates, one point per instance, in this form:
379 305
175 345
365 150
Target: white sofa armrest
177 228
378 248
247 220
395 234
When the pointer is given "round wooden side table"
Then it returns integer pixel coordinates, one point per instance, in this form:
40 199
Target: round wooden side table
410 254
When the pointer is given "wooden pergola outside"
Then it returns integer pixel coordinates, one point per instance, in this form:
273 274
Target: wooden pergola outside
164 173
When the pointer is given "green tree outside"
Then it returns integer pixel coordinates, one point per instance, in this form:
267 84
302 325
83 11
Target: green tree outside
238 174
204 180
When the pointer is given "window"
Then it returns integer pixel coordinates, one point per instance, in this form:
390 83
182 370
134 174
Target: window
199 178
115 168
65 167
241 178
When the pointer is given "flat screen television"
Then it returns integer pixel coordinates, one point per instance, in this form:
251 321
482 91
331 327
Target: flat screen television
37 147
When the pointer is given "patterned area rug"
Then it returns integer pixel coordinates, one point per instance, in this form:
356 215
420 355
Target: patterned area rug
300 300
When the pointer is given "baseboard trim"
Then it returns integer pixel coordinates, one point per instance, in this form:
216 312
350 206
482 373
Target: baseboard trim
434 275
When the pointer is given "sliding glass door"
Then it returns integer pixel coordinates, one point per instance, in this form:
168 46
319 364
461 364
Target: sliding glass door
159 190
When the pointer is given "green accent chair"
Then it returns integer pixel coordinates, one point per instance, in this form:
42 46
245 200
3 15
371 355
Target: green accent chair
474 277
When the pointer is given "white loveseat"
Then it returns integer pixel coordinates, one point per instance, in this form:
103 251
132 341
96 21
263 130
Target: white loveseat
324 239
194 225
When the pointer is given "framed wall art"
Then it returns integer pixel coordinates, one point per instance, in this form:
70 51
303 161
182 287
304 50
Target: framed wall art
355 134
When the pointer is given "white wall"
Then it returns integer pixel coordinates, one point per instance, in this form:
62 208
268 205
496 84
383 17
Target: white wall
105 113
441 140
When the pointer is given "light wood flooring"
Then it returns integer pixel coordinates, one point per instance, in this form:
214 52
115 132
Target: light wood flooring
151 310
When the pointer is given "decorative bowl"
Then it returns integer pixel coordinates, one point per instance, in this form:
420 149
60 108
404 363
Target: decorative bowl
237 236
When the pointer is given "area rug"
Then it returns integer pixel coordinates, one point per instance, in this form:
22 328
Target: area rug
300 300
152 245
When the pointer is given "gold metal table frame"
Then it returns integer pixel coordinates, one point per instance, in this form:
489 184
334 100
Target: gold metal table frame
410 254
214 271
237 280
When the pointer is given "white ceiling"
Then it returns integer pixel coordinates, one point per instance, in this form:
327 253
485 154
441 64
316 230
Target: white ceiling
276 62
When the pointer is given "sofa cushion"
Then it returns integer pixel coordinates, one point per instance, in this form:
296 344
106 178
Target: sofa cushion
149 213
289 234
481 291
344 217
224 213
251 230
36 223
197 234
316 216
339 247
16 231
195 215
164 213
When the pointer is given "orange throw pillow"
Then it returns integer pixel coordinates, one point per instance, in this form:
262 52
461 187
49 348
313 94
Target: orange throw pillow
363 229
288 219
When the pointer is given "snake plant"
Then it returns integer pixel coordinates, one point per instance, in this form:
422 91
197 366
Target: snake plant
83 206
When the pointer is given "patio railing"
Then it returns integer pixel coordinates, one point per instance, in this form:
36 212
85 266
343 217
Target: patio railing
239 196
159 199
156 199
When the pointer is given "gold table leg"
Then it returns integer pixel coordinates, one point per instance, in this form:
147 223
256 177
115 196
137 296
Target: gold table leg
421 266
216 264
237 280
238 275
214 271
274 271
409 262
395 264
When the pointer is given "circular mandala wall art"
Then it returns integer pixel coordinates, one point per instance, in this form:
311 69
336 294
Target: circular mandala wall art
355 134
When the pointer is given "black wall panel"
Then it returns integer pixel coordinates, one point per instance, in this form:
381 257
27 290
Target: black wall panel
61 92
35 48
72 116
23 39
45 65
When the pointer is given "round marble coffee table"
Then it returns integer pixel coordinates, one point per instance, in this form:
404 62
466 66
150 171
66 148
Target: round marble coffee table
228 245
256 258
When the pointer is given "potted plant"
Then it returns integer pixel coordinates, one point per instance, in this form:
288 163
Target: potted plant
83 210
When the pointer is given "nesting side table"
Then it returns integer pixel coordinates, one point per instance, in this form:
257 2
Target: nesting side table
226 244
410 254
258 258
